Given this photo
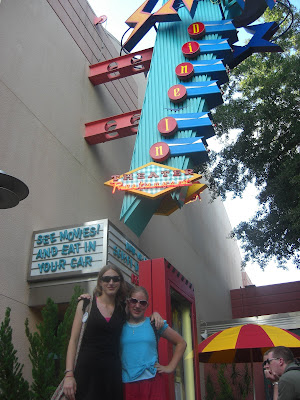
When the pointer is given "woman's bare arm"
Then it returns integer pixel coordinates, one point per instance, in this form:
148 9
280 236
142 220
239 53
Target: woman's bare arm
180 346
70 383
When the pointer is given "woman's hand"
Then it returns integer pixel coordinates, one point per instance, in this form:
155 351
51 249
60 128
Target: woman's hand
159 322
70 387
84 296
163 368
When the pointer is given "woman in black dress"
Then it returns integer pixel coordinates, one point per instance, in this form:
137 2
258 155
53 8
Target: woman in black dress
98 372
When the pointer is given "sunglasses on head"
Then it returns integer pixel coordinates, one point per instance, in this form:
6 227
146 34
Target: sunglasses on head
268 360
133 301
107 278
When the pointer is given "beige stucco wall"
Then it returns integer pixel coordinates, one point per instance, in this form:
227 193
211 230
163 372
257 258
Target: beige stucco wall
45 99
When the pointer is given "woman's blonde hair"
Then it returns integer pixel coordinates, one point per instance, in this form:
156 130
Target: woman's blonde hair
121 293
137 289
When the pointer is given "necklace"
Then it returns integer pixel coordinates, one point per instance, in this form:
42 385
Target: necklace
134 325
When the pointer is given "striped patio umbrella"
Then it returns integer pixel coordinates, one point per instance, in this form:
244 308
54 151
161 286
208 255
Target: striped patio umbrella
245 343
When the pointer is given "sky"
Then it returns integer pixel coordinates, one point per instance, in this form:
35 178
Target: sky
117 11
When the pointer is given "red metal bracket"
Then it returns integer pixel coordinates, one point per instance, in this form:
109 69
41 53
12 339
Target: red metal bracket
112 128
120 67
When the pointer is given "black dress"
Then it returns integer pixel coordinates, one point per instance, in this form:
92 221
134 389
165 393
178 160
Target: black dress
98 371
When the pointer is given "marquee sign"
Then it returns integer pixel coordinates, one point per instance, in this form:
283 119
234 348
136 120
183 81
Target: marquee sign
81 251
153 180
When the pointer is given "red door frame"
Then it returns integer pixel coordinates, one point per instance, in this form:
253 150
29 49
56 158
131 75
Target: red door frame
158 276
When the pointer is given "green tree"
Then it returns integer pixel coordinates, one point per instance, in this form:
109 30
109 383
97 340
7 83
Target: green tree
234 374
12 384
210 390
245 384
262 106
42 352
48 347
225 392
64 330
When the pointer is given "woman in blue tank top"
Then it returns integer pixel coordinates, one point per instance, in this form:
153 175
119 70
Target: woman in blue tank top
141 372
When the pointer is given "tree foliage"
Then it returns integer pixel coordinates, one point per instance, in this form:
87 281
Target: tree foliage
225 392
47 352
262 106
210 390
48 347
245 385
42 352
229 385
12 384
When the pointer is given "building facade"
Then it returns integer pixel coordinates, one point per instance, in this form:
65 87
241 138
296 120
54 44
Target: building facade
46 48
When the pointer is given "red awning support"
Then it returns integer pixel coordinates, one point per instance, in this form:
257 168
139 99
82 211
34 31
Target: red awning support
111 128
120 67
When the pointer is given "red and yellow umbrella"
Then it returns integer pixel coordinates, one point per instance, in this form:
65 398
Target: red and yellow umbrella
245 343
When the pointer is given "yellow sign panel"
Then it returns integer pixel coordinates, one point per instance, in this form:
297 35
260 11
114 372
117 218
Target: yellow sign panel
169 205
153 180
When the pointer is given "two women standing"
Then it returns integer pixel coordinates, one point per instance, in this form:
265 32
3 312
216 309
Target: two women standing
99 369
